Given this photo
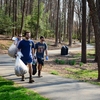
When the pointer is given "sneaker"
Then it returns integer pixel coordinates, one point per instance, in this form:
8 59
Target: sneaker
31 81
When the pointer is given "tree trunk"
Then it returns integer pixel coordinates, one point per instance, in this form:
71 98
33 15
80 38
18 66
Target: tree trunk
13 33
98 12
70 20
96 25
1 4
83 57
37 30
23 13
65 9
57 24
89 29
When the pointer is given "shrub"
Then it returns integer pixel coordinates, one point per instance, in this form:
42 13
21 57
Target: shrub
60 61
71 62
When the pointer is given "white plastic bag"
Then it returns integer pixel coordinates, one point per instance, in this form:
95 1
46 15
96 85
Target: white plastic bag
14 38
19 54
20 67
12 50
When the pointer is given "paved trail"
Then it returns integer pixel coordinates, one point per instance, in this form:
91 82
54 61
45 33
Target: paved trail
51 86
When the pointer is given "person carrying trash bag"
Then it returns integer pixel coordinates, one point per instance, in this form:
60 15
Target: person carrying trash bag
13 48
34 65
26 46
20 68
40 48
18 39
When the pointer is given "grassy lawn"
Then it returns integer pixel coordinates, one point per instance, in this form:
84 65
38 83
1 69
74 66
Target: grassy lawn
72 67
54 72
9 91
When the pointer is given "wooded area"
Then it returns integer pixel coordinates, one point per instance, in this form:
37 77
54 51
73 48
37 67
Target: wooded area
64 20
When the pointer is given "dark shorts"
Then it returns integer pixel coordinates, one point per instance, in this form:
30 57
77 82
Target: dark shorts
26 61
40 61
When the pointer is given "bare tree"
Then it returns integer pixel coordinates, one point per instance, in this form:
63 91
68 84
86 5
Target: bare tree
70 20
83 57
96 25
23 13
57 24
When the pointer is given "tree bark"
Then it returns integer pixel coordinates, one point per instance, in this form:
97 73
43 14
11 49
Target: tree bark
89 29
83 57
23 13
37 29
70 20
57 24
96 25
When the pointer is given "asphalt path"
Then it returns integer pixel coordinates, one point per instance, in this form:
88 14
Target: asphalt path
51 86
55 52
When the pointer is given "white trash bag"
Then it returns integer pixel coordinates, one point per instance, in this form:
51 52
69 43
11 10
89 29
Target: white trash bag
14 38
12 50
19 54
20 67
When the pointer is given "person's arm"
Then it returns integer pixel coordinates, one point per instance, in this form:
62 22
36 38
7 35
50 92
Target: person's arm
18 49
46 52
15 42
33 49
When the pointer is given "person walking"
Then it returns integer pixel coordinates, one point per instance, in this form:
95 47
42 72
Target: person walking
18 39
40 48
26 46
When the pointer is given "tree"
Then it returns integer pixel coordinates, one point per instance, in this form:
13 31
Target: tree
70 20
23 13
96 25
83 57
57 24
89 27
37 30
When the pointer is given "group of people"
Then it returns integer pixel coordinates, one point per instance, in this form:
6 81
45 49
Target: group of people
27 47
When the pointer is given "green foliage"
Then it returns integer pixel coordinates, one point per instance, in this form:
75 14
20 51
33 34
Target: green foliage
54 72
60 61
71 62
81 63
74 36
9 92
31 21
5 23
81 74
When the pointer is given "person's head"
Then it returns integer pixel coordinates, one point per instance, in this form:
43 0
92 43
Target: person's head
42 39
27 35
19 36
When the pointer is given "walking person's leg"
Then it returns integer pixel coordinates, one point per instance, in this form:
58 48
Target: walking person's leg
39 70
30 73
40 64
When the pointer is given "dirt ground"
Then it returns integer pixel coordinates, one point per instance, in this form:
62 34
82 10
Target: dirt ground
51 65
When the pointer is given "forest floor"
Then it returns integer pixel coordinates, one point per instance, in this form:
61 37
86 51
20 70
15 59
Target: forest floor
67 66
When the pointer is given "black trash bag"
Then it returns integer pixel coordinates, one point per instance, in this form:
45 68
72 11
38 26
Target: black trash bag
34 66
64 50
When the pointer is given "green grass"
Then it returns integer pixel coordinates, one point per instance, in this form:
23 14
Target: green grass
77 55
83 75
8 91
81 63
59 61
71 62
54 72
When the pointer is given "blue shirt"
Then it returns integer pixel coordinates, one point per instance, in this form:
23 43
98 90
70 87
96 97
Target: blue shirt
40 48
26 48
